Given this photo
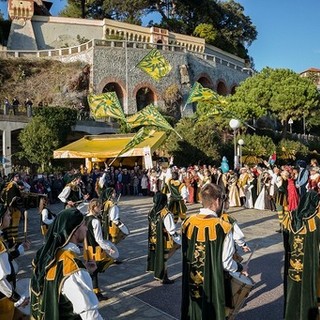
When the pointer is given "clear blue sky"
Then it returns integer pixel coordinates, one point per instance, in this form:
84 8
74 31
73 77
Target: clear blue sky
287 32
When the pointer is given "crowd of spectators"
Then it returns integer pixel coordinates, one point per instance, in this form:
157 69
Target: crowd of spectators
251 187
13 106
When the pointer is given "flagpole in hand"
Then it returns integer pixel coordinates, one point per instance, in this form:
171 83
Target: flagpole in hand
25 229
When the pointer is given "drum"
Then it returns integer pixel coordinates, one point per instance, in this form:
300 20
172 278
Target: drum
176 238
115 253
23 288
241 286
118 232
83 207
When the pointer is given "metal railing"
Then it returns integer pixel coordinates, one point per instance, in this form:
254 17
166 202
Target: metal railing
112 43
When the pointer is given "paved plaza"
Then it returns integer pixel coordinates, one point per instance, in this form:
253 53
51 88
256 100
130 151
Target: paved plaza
135 295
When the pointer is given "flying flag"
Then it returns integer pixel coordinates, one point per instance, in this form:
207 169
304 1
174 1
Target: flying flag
199 93
155 65
139 137
105 105
149 116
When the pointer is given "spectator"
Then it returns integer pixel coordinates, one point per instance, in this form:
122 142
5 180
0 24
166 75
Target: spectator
28 103
15 105
126 182
7 106
144 184
135 183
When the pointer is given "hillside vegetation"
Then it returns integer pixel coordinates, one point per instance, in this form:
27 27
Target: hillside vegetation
46 82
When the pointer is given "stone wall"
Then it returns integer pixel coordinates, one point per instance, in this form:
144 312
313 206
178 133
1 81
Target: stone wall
109 66
53 32
191 59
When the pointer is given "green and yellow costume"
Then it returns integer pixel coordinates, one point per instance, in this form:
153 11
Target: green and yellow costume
176 203
93 252
302 273
159 240
203 288
51 266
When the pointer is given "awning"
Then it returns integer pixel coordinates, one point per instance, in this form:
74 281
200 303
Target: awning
108 146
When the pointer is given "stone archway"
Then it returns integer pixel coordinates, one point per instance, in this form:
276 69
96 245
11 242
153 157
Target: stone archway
205 82
115 87
233 89
144 97
222 88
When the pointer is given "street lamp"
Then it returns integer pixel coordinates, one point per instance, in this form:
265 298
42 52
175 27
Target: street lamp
234 125
290 122
125 33
240 143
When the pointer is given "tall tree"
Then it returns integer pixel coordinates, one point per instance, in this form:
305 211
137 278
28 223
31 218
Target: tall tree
74 9
58 119
279 92
191 149
126 11
235 30
38 142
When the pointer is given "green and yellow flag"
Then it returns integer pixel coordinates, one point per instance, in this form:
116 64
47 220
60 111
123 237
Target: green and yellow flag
199 93
105 105
155 65
139 137
148 116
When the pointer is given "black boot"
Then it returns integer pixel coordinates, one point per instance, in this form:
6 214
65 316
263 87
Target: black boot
101 297
166 280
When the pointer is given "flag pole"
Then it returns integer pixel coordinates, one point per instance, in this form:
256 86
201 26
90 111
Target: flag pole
114 159
178 134
184 106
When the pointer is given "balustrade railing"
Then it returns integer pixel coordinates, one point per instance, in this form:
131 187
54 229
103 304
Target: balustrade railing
62 52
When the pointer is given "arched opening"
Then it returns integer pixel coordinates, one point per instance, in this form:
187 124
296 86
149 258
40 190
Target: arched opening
233 90
144 97
222 89
159 44
114 87
205 82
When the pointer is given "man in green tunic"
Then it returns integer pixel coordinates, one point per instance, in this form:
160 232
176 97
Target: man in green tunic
207 251
163 239
301 276
96 248
61 287
178 196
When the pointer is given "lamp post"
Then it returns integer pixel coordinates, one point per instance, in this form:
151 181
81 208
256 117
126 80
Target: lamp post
240 143
290 121
234 125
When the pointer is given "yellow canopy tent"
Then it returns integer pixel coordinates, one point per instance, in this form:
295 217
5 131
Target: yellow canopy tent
108 146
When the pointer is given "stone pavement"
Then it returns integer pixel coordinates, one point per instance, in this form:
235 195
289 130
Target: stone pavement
135 295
